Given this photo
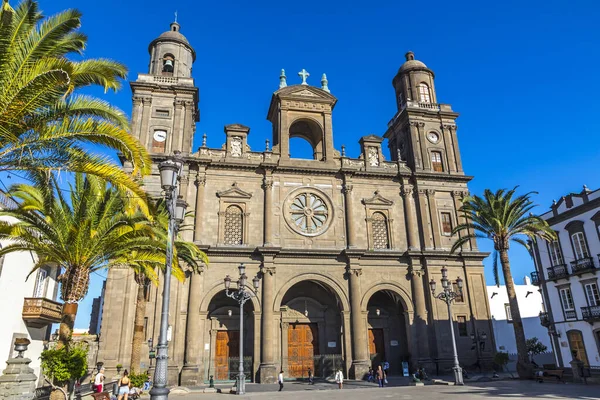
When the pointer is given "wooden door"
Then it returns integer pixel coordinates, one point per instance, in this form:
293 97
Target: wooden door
376 347
576 344
303 345
227 347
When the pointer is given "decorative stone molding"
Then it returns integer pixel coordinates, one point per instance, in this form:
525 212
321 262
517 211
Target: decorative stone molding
235 193
267 183
377 200
268 270
347 188
406 190
308 211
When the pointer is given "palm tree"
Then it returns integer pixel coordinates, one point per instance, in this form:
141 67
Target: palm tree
96 227
503 217
44 123
145 273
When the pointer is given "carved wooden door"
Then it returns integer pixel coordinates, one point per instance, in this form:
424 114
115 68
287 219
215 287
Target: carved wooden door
376 347
227 347
303 345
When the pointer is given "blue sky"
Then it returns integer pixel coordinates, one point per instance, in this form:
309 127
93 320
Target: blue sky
521 74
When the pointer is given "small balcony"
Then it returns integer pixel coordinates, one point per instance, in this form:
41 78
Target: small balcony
558 272
544 319
535 279
582 265
590 313
570 314
39 312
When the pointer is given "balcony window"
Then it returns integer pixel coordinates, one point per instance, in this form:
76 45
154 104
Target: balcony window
566 299
436 161
579 245
446 224
424 95
461 321
555 253
591 293
40 284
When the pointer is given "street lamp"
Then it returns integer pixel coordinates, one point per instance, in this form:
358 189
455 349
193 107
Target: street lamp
170 172
241 295
448 296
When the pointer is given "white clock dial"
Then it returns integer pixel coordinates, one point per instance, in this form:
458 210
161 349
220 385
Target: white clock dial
160 136
433 137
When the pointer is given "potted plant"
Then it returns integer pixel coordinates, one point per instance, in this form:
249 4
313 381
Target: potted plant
119 368
64 366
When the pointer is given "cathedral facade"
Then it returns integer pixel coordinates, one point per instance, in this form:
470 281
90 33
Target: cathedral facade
344 247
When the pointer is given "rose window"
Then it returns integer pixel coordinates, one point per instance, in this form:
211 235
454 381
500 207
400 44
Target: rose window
309 213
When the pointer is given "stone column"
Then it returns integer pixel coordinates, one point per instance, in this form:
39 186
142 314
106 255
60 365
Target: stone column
449 144
200 183
191 374
425 219
360 358
452 131
268 187
174 141
435 222
145 136
412 233
268 370
420 316
350 232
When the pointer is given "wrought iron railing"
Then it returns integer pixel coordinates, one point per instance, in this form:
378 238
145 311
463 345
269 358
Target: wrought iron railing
322 366
582 265
227 368
590 312
544 319
535 279
570 314
558 272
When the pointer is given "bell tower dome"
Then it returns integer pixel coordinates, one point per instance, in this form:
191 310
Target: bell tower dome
414 82
171 54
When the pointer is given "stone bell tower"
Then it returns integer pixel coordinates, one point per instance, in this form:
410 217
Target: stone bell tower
423 131
302 111
165 100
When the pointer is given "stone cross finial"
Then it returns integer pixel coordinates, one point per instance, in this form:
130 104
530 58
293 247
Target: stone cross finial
175 15
324 83
304 74
204 140
282 79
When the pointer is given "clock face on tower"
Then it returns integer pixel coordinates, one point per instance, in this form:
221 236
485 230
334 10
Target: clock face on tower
433 137
160 136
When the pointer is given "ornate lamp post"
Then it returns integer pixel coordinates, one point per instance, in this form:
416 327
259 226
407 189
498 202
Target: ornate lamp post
170 172
448 296
241 295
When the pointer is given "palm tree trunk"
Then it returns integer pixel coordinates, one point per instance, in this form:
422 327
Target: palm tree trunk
138 328
67 323
524 366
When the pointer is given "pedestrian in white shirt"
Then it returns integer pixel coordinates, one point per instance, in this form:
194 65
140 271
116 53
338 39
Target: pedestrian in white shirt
99 381
280 380
339 378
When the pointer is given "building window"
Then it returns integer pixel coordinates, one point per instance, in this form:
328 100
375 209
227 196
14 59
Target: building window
459 298
446 224
40 284
162 113
577 346
380 231
424 96
436 161
579 245
591 293
234 226
555 253
400 100
461 321
566 298
507 311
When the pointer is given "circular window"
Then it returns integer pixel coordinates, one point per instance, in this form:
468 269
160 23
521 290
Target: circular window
308 212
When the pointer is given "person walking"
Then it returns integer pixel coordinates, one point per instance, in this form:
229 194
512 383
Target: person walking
124 385
310 377
380 376
280 380
386 371
371 376
99 381
339 378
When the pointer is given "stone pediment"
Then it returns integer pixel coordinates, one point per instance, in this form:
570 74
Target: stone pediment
235 192
305 91
371 138
237 127
377 200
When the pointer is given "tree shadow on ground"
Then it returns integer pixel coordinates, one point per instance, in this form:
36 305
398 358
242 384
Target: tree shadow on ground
527 390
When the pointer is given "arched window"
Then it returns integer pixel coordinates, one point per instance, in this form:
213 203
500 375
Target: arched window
234 226
436 161
424 95
380 231
579 245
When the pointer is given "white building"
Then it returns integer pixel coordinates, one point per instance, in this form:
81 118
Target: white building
530 307
28 309
567 271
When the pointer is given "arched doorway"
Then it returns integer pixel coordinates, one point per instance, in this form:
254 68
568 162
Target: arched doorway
310 131
311 331
387 330
224 328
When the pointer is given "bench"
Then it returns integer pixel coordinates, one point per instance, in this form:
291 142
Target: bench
555 375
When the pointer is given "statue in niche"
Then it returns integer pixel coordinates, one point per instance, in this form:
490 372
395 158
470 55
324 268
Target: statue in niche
373 157
236 146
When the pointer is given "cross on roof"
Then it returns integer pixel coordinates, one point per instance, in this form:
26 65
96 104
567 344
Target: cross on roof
304 75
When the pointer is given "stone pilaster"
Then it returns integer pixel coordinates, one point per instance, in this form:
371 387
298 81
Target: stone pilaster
435 222
420 319
450 150
350 232
412 234
360 358
268 370
458 196
200 183
145 135
268 220
191 373
425 219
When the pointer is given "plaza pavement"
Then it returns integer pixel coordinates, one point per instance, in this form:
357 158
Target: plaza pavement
473 391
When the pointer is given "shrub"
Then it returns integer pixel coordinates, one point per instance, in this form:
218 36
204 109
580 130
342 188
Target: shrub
137 380
65 364
500 360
